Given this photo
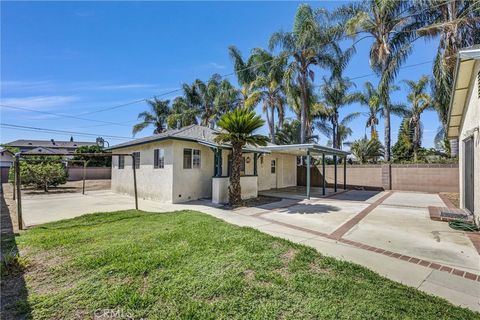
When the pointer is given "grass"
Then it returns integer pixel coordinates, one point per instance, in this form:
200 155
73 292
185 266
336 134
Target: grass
190 265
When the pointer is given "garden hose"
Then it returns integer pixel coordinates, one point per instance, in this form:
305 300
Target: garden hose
462 225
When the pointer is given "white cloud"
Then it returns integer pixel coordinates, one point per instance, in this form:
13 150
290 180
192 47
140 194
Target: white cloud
39 102
215 65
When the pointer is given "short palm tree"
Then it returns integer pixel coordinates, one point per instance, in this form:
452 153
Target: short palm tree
157 116
420 101
393 30
238 129
366 150
306 44
290 134
269 71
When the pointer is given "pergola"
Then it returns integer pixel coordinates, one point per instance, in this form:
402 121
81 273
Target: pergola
310 150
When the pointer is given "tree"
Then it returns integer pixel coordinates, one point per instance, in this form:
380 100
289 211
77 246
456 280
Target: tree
182 113
269 71
393 31
290 134
207 93
93 161
343 131
238 130
306 44
420 101
157 116
370 98
366 150
403 148
41 172
456 23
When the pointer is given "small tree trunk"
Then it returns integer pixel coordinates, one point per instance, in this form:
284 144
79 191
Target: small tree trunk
235 190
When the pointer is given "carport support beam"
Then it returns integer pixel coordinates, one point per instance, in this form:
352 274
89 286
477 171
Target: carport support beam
84 174
308 174
135 182
345 173
335 172
18 190
323 174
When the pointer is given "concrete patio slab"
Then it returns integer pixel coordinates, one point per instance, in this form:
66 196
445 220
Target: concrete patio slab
414 199
410 231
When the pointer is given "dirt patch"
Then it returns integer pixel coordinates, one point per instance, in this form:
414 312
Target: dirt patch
288 256
254 202
72 187
453 197
249 275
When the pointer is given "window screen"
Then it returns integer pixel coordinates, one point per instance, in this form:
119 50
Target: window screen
136 163
121 162
272 166
187 158
196 158
159 158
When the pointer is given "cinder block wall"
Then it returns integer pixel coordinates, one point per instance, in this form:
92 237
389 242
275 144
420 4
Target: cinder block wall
92 173
407 177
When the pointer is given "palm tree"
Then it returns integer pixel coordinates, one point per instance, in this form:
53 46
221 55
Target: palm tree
366 150
207 93
457 24
157 116
342 129
420 101
182 113
305 44
290 134
268 82
370 98
393 31
238 127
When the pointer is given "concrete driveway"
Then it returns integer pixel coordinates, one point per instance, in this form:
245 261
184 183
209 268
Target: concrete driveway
388 232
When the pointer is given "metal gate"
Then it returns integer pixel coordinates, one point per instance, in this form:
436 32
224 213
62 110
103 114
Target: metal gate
468 186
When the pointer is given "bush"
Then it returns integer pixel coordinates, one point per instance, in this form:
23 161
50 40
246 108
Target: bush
93 161
41 172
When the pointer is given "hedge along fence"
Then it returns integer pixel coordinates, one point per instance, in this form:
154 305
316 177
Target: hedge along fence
407 177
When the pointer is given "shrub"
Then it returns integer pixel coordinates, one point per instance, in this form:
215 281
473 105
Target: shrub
41 172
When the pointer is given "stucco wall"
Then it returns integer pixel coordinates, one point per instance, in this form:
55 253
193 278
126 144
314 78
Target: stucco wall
152 183
286 171
220 188
195 183
471 120
91 173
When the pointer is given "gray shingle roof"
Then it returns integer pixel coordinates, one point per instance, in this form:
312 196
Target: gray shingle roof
49 143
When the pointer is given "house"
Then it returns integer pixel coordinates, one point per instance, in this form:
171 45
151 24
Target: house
463 124
6 161
54 146
186 164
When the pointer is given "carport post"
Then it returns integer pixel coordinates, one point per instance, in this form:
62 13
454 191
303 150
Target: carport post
84 174
335 172
345 173
323 174
14 181
135 181
308 174
18 190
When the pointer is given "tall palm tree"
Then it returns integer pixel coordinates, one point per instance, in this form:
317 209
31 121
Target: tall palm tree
268 82
342 129
306 44
157 116
370 98
245 72
290 134
393 31
456 23
207 93
182 113
420 101
239 128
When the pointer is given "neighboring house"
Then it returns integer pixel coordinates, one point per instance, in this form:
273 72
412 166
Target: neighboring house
63 146
464 123
6 161
187 164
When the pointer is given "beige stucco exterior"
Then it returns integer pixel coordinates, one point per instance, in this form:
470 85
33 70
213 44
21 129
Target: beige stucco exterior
174 184
470 126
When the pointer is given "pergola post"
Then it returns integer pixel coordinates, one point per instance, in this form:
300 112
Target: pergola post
345 173
135 181
18 184
255 171
323 174
308 174
335 172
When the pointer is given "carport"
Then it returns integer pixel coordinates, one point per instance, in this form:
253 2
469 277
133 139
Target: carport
315 150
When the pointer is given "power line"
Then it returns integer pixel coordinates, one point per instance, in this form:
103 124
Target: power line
55 131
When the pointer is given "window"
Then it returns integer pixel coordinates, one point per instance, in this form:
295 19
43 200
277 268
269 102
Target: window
136 163
196 159
272 166
121 162
159 158
187 158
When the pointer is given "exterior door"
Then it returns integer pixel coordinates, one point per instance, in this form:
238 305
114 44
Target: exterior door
468 191
273 173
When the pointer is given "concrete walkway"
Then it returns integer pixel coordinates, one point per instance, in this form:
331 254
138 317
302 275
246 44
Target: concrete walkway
388 232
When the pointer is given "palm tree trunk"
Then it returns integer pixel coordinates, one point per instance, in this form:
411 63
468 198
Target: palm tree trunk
235 190
334 133
303 107
386 115
281 117
272 124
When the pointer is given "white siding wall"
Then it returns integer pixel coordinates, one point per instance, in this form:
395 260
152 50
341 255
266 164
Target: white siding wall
471 120
152 183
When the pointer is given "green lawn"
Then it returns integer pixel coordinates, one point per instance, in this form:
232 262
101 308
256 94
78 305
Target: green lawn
190 265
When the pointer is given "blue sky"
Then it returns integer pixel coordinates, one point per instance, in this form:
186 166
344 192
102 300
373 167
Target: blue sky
78 57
